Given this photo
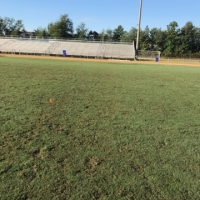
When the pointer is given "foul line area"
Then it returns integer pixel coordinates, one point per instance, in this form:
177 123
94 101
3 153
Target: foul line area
164 62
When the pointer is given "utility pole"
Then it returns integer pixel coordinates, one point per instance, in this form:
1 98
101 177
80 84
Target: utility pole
138 31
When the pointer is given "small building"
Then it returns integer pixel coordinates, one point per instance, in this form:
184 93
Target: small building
27 34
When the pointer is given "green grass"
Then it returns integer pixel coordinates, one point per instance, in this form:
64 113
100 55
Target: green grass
114 131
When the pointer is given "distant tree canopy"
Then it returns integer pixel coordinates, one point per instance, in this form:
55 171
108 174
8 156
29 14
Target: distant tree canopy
11 27
93 35
41 32
81 32
118 33
172 42
63 28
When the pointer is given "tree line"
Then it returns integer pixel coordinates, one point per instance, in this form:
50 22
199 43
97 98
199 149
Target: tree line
172 42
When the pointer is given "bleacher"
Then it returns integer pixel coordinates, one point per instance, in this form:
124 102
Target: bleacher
73 48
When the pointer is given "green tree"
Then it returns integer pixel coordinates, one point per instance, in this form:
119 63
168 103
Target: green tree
41 32
81 31
17 28
157 39
93 35
1 26
187 38
197 40
133 34
9 26
125 37
102 35
109 34
145 42
118 33
129 36
63 28
172 39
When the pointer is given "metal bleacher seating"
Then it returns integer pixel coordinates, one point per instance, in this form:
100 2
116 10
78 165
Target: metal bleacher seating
72 48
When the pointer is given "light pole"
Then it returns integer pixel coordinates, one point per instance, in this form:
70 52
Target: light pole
138 31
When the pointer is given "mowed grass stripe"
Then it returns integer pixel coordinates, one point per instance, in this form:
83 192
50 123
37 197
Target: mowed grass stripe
113 131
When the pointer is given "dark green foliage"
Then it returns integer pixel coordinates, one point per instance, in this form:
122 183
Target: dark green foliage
63 28
157 39
81 32
145 38
188 39
109 35
41 32
173 42
118 33
93 35
172 37
113 131
11 27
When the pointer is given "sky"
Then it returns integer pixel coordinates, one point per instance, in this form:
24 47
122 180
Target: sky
103 14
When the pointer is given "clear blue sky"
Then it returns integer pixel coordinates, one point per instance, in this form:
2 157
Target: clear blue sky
103 14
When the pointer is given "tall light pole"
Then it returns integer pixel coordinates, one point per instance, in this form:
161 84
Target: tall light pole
138 31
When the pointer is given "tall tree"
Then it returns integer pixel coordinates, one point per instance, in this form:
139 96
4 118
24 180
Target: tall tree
81 31
109 34
17 28
102 35
125 37
172 39
63 28
157 39
129 36
145 39
118 33
8 26
1 27
187 38
106 35
93 35
41 32
197 40
133 34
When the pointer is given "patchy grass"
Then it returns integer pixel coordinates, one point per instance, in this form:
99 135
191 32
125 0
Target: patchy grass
113 131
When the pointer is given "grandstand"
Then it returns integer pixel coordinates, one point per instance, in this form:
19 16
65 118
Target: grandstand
73 48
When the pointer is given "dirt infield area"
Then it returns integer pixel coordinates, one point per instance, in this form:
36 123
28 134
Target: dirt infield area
195 63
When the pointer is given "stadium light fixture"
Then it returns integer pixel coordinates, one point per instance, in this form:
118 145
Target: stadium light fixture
138 31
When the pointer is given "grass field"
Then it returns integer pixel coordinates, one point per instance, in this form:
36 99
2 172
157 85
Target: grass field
113 131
